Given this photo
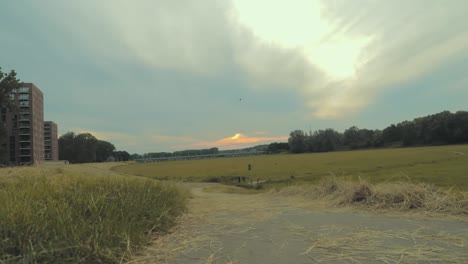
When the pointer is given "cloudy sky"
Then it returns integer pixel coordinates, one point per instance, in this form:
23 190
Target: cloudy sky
165 75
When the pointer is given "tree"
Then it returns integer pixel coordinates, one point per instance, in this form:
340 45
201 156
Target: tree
121 155
324 140
297 142
66 144
104 150
391 134
8 82
277 147
79 148
86 145
135 156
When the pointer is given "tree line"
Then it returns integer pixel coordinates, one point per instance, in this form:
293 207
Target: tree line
84 147
441 128
183 153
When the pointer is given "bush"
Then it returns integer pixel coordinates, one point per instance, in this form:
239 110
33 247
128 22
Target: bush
86 220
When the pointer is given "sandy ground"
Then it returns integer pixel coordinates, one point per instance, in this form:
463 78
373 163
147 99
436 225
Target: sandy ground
243 228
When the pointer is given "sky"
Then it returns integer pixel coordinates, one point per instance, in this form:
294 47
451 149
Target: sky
167 75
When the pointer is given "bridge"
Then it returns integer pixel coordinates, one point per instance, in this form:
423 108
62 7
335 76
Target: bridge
210 156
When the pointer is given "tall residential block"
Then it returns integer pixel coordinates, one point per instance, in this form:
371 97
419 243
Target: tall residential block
50 141
24 122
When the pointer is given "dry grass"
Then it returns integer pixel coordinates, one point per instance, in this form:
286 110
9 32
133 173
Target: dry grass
402 196
80 214
331 244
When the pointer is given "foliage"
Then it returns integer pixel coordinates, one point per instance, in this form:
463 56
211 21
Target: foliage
104 150
297 141
183 153
82 219
278 147
443 166
441 128
84 148
121 155
8 82
323 140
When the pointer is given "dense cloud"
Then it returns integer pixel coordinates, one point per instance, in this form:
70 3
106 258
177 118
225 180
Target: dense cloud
185 63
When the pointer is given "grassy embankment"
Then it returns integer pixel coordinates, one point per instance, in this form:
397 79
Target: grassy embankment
80 213
443 166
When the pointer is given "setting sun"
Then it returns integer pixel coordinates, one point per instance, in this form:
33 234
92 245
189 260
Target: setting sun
236 136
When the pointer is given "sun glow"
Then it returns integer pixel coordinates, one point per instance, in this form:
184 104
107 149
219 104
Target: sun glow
236 136
300 25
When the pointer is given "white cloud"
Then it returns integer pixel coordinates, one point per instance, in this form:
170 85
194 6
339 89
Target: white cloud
409 40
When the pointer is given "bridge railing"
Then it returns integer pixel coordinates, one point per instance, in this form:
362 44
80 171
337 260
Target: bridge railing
210 156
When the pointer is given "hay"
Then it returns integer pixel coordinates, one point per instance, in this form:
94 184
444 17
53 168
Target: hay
401 196
361 245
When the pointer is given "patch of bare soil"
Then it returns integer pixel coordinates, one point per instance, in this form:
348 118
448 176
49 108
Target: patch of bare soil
263 228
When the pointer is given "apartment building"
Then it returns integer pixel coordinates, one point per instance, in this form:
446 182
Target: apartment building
50 141
24 122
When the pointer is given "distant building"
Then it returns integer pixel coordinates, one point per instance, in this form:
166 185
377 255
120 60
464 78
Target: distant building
50 141
24 123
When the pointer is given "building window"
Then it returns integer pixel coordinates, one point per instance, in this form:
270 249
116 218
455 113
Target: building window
23 96
24 103
24 90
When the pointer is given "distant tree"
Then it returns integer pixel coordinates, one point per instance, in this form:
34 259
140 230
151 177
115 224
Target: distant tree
458 127
278 147
408 132
104 150
67 144
8 82
324 140
86 146
79 148
441 128
377 139
297 141
392 134
353 138
135 156
121 156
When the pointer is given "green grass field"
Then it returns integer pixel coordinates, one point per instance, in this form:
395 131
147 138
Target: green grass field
444 166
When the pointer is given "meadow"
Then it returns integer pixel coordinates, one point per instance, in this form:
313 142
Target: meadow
81 213
443 166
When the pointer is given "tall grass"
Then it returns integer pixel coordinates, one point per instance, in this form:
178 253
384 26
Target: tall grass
85 220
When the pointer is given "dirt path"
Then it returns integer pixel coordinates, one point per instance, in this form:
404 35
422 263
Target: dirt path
242 228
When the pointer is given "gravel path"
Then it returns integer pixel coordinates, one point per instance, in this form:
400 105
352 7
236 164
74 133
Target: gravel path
243 228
